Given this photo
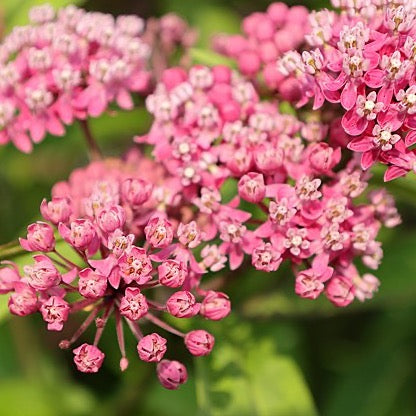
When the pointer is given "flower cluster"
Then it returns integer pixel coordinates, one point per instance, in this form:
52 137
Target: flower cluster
209 125
131 245
363 59
267 36
65 66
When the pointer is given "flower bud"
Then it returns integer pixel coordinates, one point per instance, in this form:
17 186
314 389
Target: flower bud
215 306
81 234
23 301
172 273
39 238
199 342
8 276
152 348
340 291
43 274
91 285
110 219
171 374
55 312
133 304
56 211
251 187
88 358
159 232
136 191
182 304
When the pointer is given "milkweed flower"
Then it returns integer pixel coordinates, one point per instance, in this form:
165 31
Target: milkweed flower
300 203
125 210
67 65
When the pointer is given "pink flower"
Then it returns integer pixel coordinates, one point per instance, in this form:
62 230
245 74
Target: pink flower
91 284
251 187
266 257
172 273
8 277
159 232
56 211
310 282
88 358
365 286
43 275
189 235
133 304
110 219
135 266
81 235
55 312
215 306
171 374
199 342
23 301
182 304
40 237
136 191
340 291
152 348
213 258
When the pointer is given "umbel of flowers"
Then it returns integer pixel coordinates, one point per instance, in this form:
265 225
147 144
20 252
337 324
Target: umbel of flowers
127 231
232 179
210 125
360 66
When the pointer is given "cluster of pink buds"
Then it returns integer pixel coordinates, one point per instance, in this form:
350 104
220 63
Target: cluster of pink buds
360 65
67 65
209 126
267 36
130 244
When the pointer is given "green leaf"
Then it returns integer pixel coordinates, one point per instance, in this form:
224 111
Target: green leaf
210 58
17 10
266 383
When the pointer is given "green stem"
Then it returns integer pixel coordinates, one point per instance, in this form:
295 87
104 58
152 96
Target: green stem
201 388
93 149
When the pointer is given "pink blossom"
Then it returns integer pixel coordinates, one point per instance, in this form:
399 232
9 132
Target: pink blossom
266 257
23 301
182 304
171 374
136 191
172 273
159 232
81 235
43 274
133 304
340 291
56 211
88 358
251 187
110 219
199 342
91 284
55 312
8 276
135 266
215 306
152 348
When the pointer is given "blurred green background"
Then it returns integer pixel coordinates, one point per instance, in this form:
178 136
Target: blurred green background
276 355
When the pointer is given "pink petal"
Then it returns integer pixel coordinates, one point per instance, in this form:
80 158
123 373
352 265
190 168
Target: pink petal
374 78
410 138
353 124
368 159
349 96
394 172
361 144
